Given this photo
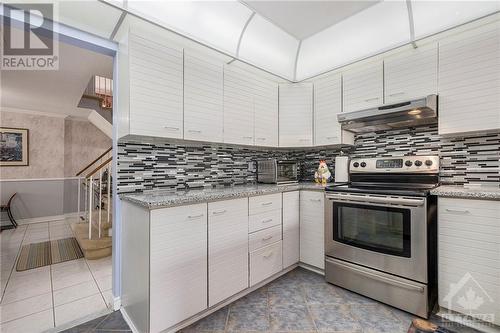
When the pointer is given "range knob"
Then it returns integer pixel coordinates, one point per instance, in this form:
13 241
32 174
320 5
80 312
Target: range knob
355 164
418 163
408 163
363 164
428 162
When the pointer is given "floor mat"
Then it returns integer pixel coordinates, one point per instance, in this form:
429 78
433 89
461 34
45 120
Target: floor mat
47 253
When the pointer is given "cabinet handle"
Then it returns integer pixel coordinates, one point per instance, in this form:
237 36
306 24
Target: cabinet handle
397 94
315 200
171 128
303 140
267 221
194 131
262 139
457 211
247 137
267 238
195 216
268 255
331 137
371 99
219 212
267 203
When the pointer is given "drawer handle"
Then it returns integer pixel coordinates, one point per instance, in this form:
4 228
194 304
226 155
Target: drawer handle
397 94
194 131
331 137
262 139
195 216
267 203
219 212
457 211
267 238
171 128
304 140
371 99
268 255
315 200
267 221
247 137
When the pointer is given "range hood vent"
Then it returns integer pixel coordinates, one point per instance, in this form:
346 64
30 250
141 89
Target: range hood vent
422 111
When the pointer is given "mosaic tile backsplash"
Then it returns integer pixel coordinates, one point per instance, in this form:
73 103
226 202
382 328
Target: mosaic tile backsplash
153 164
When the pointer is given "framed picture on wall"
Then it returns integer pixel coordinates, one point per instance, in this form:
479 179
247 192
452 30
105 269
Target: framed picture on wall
14 146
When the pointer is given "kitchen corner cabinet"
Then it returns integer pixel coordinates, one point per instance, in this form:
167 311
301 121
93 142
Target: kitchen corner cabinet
469 81
296 115
327 104
227 249
363 86
312 228
152 99
411 74
469 254
291 228
203 98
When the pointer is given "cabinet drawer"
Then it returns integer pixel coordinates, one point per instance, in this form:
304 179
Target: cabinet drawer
456 208
264 203
264 237
265 262
264 220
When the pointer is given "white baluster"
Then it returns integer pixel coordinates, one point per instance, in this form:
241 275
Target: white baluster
109 191
91 193
100 201
79 194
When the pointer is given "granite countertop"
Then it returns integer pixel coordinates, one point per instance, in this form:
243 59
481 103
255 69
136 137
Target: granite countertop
472 192
170 198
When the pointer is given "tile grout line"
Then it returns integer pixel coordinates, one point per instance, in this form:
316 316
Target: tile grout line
13 266
52 294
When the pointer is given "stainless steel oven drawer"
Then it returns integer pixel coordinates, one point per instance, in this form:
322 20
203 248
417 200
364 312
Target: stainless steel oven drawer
404 294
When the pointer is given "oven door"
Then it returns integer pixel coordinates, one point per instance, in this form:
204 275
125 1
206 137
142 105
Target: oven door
385 233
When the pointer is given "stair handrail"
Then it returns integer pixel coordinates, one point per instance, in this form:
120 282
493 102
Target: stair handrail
94 161
101 166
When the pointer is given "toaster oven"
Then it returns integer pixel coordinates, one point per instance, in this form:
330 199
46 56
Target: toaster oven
273 171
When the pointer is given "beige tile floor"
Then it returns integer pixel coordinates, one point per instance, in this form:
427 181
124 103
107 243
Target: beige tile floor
43 298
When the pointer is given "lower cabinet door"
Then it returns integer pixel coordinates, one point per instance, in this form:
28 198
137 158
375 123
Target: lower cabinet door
312 228
178 264
265 262
227 249
291 223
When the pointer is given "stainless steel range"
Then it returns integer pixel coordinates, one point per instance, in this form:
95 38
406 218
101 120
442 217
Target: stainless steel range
380 231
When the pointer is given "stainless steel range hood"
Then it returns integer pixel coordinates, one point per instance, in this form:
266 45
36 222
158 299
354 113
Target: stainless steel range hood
417 112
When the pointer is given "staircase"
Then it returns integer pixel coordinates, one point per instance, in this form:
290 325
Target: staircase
93 231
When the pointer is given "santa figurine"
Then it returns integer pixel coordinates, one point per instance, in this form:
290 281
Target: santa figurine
322 175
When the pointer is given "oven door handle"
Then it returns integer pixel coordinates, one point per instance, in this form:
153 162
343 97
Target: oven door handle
382 278
378 200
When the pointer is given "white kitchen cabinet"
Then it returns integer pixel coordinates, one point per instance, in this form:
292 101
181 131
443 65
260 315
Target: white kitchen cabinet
203 98
469 255
363 86
178 264
312 228
264 203
265 262
291 226
411 74
238 107
265 112
227 249
327 104
155 88
469 81
295 115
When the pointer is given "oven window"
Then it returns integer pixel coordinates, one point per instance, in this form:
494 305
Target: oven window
381 229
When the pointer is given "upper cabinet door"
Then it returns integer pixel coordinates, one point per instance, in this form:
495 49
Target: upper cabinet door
411 74
327 104
295 108
203 98
156 88
363 87
238 107
266 113
469 81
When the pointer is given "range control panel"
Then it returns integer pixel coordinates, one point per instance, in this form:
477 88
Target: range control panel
406 164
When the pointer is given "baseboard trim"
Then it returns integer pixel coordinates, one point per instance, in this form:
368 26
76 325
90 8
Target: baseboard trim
128 321
117 303
42 219
312 268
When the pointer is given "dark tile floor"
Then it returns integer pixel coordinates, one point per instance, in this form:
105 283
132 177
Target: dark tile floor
300 301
